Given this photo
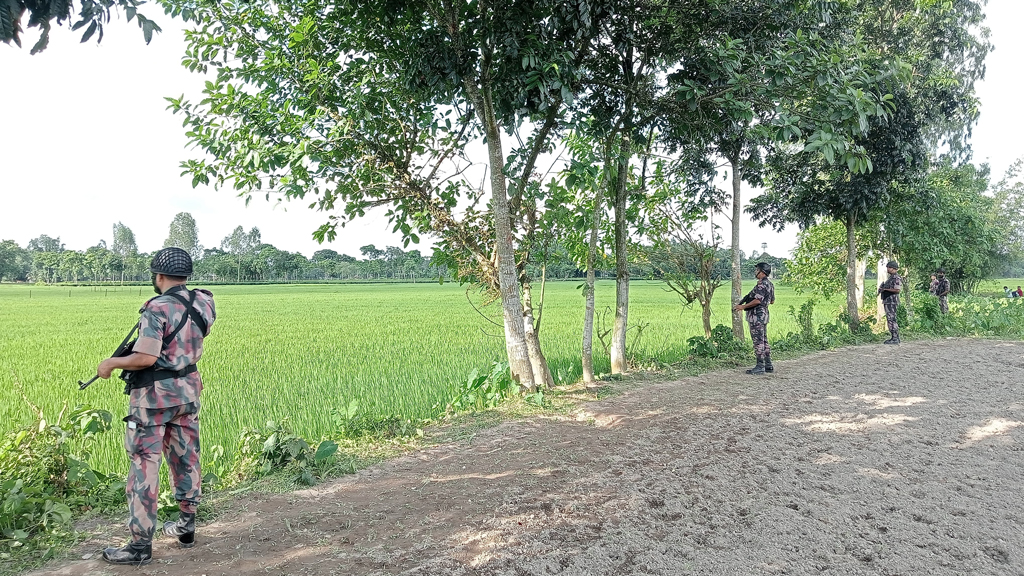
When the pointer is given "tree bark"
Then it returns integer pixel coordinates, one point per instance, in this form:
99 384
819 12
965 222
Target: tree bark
851 271
737 273
541 370
588 311
618 347
706 317
508 277
861 269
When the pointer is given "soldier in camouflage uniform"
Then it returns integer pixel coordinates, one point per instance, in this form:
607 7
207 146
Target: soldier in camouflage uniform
163 414
942 290
890 293
756 305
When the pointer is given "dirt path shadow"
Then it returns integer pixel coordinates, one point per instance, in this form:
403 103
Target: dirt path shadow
869 460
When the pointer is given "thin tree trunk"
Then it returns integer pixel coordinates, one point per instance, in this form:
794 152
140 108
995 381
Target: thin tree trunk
737 273
618 347
851 271
588 312
861 269
706 317
508 277
541 370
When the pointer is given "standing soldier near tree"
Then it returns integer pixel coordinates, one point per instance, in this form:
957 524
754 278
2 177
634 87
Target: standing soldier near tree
163 415
942 290
890 293
756 304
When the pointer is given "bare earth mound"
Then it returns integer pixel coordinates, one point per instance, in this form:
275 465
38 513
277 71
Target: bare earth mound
825 467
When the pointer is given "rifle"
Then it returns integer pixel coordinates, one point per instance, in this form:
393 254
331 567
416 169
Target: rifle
746 300
125 348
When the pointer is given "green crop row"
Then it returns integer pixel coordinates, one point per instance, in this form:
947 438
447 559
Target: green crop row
304 352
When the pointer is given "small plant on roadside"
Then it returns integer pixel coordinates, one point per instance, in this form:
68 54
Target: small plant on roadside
276 448
721 343
46 479
484 391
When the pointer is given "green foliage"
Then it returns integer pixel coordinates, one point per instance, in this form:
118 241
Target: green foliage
951 222
971 316
483 391
819 260
92 16
722 343
276 448
825 336
46 479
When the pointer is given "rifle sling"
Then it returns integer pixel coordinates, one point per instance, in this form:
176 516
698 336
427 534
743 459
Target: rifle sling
148 376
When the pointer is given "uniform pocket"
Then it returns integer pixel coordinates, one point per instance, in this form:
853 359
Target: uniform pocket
139 439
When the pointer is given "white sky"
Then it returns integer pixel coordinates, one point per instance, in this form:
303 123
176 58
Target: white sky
86 142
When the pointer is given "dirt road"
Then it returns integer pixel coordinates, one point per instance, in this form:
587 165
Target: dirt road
821 468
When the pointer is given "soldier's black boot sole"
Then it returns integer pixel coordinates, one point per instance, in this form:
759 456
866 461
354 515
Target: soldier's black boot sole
134 554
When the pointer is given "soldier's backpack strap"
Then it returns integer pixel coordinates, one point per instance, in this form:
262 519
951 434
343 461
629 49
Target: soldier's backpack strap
145 378
192 313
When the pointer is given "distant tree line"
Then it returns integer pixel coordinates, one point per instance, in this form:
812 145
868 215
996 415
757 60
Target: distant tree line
241 257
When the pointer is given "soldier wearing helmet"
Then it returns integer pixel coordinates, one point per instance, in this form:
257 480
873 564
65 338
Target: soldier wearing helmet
890 293
756 305
163 386
942 290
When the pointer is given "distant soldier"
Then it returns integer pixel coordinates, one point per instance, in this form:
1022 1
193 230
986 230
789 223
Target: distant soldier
890 293
756 304
933 286
942 290
163 414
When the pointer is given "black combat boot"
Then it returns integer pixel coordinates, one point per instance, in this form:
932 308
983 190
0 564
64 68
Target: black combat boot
759 369
136 553
893 339
184 530
768 366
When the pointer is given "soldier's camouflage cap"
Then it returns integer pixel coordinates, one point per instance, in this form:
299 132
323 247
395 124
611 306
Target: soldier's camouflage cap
892 264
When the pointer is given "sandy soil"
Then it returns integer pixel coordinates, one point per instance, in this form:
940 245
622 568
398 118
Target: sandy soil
821 468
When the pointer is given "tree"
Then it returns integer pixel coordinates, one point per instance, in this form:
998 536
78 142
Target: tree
184 234
240 244
92 15
124 247
45 244
940 49
819 259
1008 208
363 104
14 261
956 227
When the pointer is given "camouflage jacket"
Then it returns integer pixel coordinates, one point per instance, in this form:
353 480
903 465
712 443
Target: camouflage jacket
894 282
764 291
160 317
942 287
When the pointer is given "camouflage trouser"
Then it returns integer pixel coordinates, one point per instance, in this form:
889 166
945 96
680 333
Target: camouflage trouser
944 304
890 306
174 432
759 335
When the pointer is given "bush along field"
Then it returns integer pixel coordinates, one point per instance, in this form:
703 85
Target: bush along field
307 382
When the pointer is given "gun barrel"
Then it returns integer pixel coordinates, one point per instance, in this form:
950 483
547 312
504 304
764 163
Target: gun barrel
84 385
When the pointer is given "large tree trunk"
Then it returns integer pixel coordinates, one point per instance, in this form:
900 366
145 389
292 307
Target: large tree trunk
541 370
851 271
508 276
618 347
737 273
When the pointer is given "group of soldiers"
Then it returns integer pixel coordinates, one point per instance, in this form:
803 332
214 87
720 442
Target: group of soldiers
164 387
756 303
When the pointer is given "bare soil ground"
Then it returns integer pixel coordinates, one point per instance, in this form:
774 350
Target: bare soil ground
869 460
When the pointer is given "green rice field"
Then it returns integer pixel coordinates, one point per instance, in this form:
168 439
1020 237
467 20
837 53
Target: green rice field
299 351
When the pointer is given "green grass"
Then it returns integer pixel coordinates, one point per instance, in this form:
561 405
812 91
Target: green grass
299 351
